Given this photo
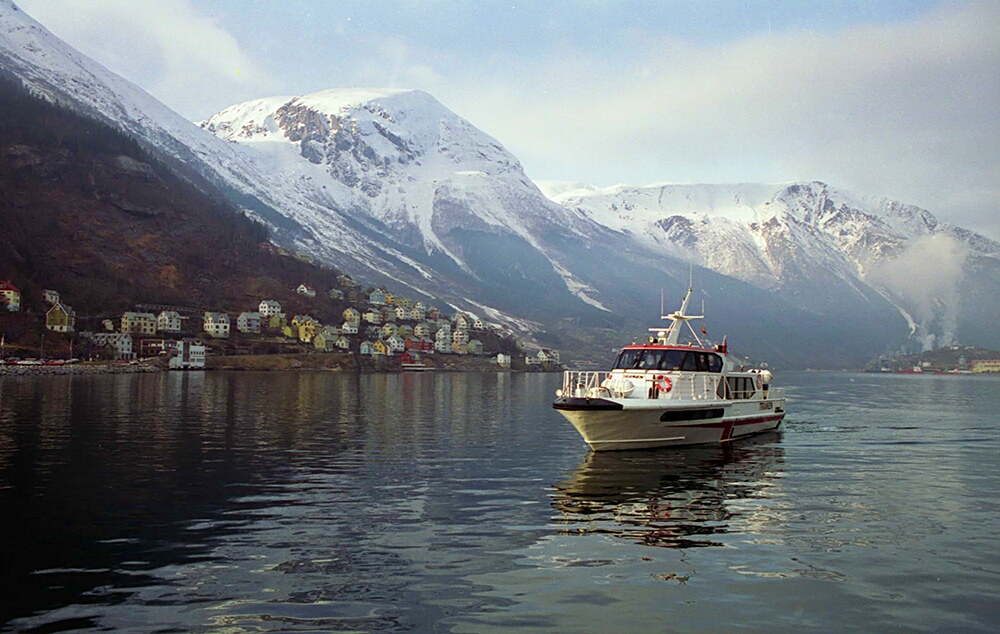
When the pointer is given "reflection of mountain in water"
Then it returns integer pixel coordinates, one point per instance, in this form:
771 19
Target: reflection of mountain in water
677 498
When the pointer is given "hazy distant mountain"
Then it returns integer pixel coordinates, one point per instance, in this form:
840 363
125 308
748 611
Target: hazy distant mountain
818 248
396 189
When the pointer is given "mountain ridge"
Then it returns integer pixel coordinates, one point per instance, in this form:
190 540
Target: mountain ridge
396 189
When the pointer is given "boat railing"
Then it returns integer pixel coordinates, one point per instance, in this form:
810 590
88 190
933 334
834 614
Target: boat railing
695 386
698 387
580 383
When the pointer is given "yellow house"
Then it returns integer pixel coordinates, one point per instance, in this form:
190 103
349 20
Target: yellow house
141 323
277 322
986 365
351 314
60 318
324 342
307 330
10 297
379 347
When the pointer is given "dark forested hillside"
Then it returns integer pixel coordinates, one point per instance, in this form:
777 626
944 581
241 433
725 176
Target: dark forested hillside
86 211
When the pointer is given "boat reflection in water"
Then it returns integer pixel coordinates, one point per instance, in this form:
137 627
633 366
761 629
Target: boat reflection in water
676 498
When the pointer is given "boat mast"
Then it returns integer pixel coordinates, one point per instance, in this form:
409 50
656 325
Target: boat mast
677 318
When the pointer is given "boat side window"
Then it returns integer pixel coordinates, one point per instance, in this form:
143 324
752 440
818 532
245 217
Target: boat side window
627 359
690 362
672 359
714 363
702 362
741 387
651 359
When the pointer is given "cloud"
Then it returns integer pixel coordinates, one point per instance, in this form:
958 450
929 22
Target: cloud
177 54
905 110
902 109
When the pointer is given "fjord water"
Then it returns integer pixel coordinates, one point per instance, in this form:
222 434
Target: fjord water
462 502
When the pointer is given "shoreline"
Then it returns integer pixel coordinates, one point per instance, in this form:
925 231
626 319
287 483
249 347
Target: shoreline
273 363
77 368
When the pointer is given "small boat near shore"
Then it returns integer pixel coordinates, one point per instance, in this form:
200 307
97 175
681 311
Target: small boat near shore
664 393
415 367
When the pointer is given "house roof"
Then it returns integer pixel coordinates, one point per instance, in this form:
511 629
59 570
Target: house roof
5 285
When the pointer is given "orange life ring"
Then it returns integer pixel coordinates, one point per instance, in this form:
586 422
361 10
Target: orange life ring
663 383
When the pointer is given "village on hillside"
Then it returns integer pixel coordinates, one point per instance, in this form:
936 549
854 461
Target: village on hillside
376 325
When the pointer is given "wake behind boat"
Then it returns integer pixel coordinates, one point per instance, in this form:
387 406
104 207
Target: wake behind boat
663 393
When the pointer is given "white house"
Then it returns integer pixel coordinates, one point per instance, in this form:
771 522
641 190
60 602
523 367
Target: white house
349 328
306 290
543 356
443 344
395 344
217 325
188 355
248 322
269 308
168 321
377 297
121 343
50 296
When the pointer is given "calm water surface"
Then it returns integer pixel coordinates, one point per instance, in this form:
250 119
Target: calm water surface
255 502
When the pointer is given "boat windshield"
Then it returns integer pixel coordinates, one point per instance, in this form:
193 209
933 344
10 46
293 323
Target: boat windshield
649 359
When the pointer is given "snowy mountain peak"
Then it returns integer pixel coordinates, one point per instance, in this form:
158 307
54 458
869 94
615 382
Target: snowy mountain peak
380 127
410 163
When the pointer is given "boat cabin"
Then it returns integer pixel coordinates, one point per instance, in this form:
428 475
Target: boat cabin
668 358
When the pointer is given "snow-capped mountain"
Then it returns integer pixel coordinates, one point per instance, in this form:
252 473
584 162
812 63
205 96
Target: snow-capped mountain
396 189
389 196
808 242
402 164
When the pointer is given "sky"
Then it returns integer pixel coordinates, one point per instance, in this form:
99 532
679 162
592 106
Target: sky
887 98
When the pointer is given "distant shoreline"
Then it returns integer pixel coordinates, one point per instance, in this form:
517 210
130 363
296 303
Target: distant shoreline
332 362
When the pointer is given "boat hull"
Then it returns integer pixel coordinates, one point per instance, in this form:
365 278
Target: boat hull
610 425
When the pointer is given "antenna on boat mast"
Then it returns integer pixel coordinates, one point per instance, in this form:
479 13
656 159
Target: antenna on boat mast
672 333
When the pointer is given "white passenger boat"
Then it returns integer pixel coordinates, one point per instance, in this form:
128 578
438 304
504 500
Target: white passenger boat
664 393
